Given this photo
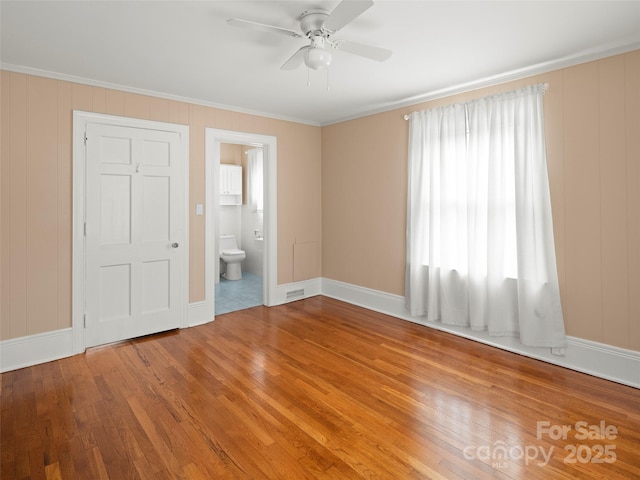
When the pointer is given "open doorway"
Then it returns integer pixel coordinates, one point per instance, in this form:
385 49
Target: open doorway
241 228
241 220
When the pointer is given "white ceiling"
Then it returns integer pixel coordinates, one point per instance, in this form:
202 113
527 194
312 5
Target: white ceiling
186 50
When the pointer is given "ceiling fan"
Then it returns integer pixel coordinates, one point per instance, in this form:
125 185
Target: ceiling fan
319 26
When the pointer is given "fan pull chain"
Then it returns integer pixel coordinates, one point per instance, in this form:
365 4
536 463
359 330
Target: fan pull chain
309 79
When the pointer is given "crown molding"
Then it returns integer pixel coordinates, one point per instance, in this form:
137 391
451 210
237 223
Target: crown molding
593 54
141 91
512 75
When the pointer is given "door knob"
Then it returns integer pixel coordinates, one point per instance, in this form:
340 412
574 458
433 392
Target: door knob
174 245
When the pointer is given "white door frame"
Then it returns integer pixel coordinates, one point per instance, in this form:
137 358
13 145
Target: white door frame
80 121
214 137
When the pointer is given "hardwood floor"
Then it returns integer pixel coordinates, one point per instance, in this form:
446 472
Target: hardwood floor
313 389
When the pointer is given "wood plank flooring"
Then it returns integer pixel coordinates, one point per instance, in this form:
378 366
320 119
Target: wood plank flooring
316 389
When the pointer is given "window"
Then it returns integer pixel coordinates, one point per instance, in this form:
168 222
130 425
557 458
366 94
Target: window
480 248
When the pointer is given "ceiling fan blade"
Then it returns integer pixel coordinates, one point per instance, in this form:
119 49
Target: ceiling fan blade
367 51
237 22
345 12
296 59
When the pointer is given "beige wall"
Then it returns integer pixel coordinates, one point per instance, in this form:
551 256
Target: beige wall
341 194
231 153
36 190
593 137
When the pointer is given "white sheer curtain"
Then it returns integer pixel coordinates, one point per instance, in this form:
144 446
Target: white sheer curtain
255 183
480 249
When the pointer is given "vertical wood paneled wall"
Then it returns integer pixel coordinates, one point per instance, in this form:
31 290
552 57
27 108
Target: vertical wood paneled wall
36 189
593 132
592 116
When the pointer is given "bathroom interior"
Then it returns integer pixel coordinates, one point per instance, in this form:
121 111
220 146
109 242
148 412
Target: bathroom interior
240 242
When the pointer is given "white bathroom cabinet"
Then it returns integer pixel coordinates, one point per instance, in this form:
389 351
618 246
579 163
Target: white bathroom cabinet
230 184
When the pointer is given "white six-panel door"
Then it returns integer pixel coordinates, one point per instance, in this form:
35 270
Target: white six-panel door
134 232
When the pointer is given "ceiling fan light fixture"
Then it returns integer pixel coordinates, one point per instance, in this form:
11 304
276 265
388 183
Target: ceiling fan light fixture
317 58
319 26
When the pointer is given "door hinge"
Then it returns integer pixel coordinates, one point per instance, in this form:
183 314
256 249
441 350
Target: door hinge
85 229
85 320
85 139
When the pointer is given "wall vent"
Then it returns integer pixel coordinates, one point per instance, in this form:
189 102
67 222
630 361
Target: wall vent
295 293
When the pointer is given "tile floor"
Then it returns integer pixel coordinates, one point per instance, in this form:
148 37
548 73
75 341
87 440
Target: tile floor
232 295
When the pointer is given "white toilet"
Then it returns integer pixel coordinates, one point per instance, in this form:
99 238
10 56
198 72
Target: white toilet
232 256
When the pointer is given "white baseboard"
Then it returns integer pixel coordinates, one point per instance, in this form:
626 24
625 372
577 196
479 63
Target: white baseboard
31 350
597 359
199 313
45 347
290 292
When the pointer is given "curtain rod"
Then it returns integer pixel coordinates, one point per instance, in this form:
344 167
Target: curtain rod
545 86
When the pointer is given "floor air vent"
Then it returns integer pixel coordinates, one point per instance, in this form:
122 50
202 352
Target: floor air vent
295 294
